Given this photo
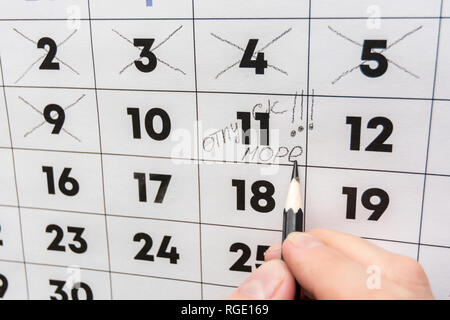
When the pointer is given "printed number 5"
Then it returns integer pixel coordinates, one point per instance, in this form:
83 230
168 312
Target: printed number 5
369 55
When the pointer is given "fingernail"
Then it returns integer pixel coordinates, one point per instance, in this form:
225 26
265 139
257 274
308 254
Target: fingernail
273 249
264 282
303 240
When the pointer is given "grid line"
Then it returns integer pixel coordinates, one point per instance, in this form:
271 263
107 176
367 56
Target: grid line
101 149
15 178
293 94
198 148
130 155
306 18
429 130
307 118
204 223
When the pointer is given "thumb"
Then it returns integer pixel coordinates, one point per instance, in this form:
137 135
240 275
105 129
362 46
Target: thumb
271 281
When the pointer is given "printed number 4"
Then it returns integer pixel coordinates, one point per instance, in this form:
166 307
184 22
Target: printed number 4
259 64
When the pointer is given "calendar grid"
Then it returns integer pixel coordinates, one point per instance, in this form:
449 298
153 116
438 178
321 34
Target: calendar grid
107 153
15 179
101 149
429 130
198 152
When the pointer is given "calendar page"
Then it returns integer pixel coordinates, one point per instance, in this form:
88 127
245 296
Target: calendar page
146 146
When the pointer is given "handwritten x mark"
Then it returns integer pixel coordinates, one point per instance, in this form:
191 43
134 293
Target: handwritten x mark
152 50
43 122
254 55
44 55
347 72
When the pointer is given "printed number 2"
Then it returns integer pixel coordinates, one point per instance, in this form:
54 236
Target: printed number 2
259 64
240 264
378 145
48 63
366 200
369 55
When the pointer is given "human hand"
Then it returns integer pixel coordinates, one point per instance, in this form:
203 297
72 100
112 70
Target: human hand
333 265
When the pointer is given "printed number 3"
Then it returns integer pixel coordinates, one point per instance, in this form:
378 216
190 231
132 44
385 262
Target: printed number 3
146 53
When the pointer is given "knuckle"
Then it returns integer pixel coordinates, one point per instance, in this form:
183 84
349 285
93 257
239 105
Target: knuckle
411 271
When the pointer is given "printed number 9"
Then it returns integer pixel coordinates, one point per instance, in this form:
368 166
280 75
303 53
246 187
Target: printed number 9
58 122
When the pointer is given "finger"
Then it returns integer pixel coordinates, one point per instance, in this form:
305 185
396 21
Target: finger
363 252
271 281
328 274
273 253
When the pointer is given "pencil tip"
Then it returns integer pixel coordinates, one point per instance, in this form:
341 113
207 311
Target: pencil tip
295 171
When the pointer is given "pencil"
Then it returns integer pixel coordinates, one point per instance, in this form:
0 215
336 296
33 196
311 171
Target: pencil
293 213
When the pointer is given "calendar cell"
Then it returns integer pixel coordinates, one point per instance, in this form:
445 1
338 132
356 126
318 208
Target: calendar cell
214 292
251 8
62 181
439 153
374 10
7 184
435 261
245 195
10 234
151 188
127 287
140 9
251 128
404 249
436 213
70 283
256 56
144 54
62 238
46 54
155 248
230 254
5 141
72 10
443 69
54 119
368 204
446 8
369 134
395 60
148 124
13 284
